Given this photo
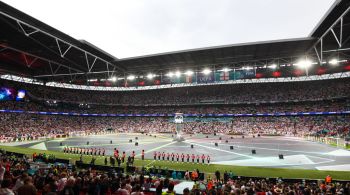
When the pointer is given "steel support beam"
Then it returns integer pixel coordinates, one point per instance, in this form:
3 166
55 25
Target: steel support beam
76 73
338 38
41 58
63 53
29 64
21 22
24 31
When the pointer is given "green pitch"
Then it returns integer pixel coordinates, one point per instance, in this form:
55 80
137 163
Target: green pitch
209 169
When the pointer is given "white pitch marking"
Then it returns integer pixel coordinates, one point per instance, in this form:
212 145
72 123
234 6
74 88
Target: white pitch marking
293 160
57 140
283 144
343 167
40 146
339 152
327 160
220 149
295 151
150 163
157 148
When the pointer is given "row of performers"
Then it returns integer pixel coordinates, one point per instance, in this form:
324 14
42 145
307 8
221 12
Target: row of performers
85 151
183 157
116 154
99 152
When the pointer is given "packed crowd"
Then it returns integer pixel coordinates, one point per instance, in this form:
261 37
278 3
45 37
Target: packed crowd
312 96
333 125
21 176
318 106
31 126
308 96
234 93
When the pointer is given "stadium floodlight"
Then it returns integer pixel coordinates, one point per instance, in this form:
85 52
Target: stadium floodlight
189 73
206 71
150 76
225 70
333 62
273 66
304 64
170 74
131 77
114 79
247 68
177 73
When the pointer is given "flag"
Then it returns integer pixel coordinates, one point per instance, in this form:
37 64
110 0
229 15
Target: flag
259 75
298 72
190 79
243 74
129 83
157 82
205 78
108 84
141 83
276 74
321 70
175 79
222 76
165 80
248 74
236 75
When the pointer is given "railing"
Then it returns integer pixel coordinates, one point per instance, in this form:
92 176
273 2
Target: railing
333 141
277 114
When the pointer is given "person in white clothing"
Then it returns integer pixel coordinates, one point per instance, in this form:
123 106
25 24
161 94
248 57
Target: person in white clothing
137 190
2 172
4 190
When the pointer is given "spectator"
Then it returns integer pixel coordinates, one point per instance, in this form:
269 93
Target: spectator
170 190
28 188
20 181
2 172
137 190
122 190
217 175
186 191
69 187
5 185
62 182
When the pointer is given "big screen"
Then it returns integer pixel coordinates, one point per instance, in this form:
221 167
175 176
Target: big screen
7 94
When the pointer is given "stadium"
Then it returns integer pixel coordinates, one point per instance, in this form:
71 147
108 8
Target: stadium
249 118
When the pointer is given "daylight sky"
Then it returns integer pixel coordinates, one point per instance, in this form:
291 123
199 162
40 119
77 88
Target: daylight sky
140 27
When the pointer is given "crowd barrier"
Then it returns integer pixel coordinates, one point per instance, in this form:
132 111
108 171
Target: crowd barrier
50 137
333 141
186 115
82 165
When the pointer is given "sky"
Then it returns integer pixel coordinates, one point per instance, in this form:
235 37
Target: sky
132 28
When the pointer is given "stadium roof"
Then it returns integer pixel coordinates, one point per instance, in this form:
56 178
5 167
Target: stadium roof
31 48
334 12
236 54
